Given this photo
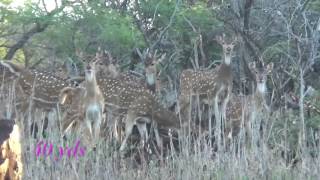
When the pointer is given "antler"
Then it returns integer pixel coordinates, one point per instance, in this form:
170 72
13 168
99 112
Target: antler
99 55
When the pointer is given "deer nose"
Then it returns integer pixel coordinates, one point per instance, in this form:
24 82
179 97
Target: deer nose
228 49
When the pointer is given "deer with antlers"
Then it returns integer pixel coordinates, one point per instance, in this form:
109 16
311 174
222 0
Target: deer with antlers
152 74
244 110
215 85
137 102
140 105
87 109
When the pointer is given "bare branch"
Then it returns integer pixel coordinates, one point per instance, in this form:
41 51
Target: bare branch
38 28
45 6
167 27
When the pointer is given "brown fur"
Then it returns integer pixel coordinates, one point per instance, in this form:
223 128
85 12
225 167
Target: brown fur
93 98
43 87
245 108
212 84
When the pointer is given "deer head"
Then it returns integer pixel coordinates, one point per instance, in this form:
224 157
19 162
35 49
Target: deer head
260 75
90 70
151 62
227 47
106 65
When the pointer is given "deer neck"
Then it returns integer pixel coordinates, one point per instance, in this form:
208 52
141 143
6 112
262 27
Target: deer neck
227 60
225 72
151 81
259 97
92 88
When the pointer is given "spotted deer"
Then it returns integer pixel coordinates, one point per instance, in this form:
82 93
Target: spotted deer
85 103
152 74
42 87
93 101
107 66
144 109
37 88
138 103
214 86
243 110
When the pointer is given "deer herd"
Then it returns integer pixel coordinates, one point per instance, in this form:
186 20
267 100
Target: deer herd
87 105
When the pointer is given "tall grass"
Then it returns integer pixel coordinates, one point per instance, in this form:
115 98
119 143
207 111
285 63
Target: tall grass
278 155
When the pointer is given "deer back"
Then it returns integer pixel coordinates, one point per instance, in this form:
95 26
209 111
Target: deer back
197 81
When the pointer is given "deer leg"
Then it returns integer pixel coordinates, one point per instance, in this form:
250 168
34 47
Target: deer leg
68 121
248 127
184 104
97 125
128 130
225 103
142 128
88 123
156 133
117 129
218 117
216 106
223 110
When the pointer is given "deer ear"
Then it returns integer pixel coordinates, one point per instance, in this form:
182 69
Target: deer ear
237 39
233 43
269 67
252 66
219 39
163 56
